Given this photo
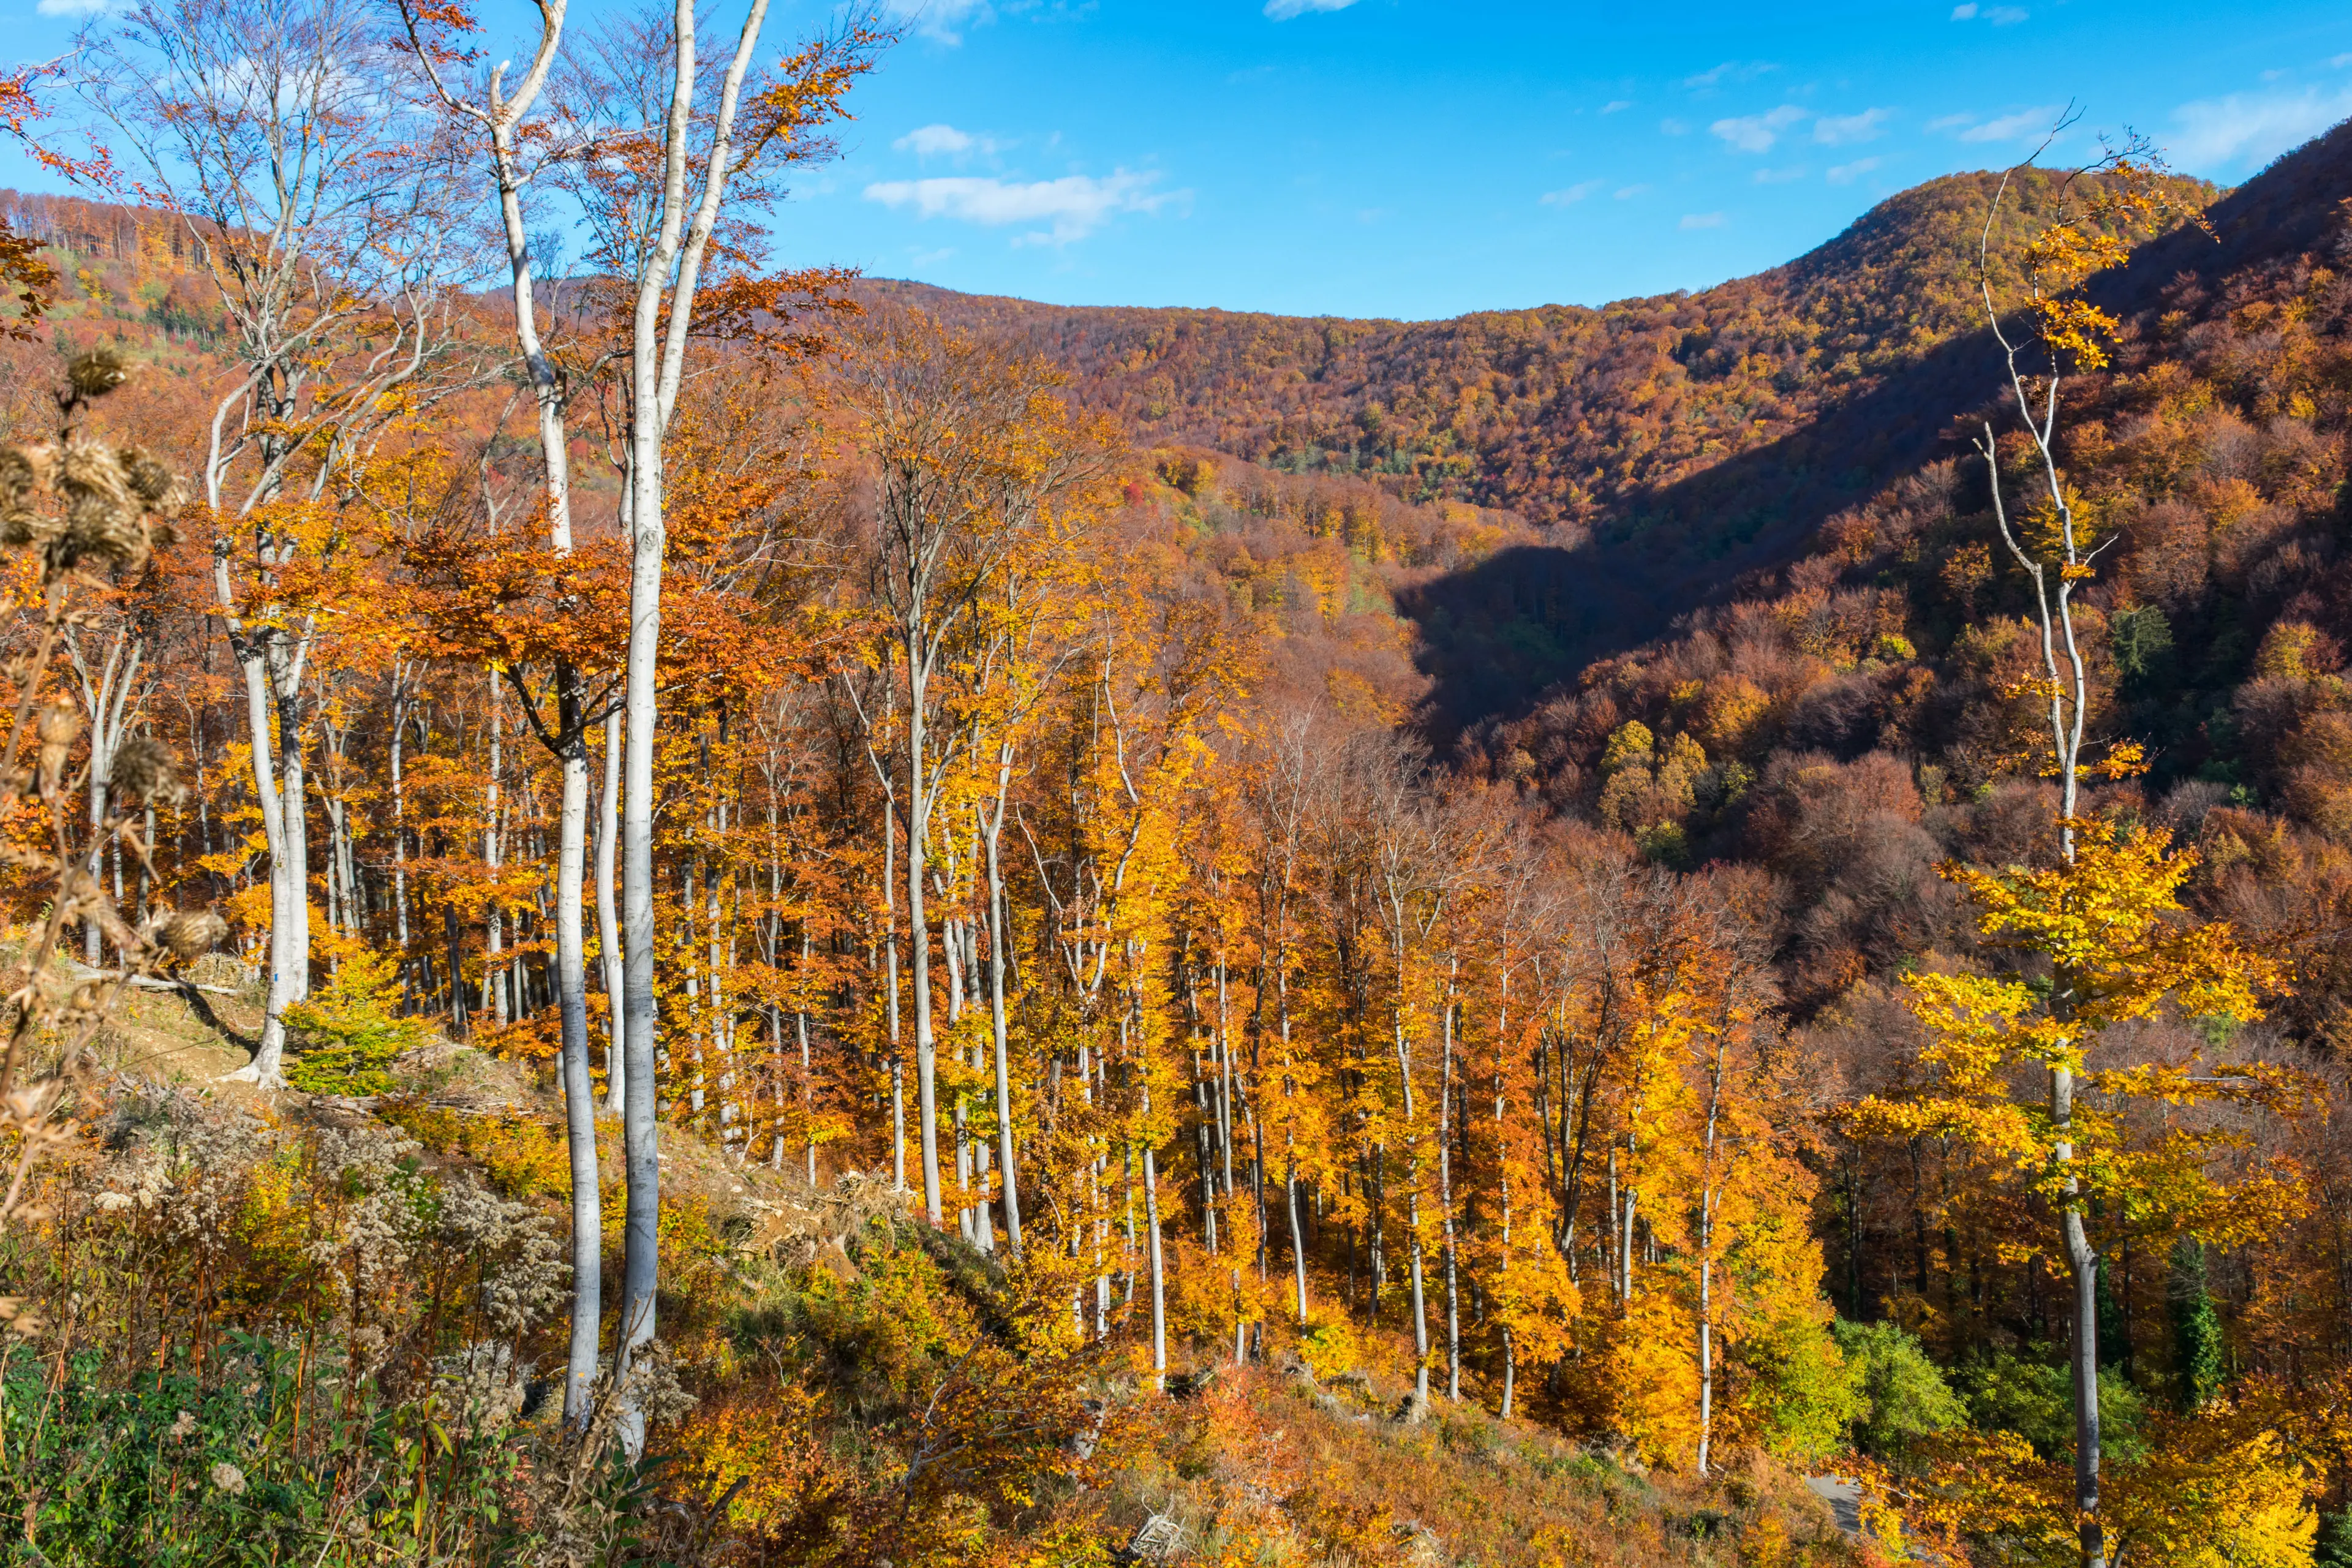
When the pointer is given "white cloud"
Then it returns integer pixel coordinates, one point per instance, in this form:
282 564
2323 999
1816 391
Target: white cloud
1284 10
1756 132
1630 192
941 140
1074 206
1675 127
2009 127
2339 61
2006 15
1962 13
1838 129
1950 121
2250 127
1616 104
1729 70
1702 220
942 21
1846 173
1568 198
78 7
1779 176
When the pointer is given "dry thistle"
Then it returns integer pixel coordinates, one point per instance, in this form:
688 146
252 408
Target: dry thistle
187 936
75 499
149 480
145 769
97 373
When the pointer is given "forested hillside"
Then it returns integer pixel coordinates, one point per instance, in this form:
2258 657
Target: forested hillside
685 915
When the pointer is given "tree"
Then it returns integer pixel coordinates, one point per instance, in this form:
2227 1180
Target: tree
656 202
972 450
502 119
2055 548
329 238
2103 925
22 269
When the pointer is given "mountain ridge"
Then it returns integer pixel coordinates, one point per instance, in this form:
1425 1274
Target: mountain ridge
1567 413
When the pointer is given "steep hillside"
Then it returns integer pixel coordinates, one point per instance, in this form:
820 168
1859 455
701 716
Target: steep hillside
1860 711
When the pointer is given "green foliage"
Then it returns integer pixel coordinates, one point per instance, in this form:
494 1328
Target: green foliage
2035 1400
1902 1393
350 1031
2140 641
1812 1388
1666 843
2196 1331
2333 1548
1632 745
214 1468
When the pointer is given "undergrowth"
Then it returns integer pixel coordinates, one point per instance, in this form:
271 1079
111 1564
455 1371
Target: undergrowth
334 1342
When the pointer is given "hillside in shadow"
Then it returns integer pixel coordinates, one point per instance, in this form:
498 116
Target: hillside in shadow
1499 634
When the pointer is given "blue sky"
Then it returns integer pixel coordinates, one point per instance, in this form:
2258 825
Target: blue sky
1420 158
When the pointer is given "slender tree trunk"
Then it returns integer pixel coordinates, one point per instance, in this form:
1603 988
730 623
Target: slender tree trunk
494 987
1445 1208
1159 1284
267 719
579 1085
2084 1352
669 274
919 936
399 817
608 923
999 935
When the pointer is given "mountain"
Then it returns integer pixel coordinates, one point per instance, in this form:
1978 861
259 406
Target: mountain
1758 530
1669 444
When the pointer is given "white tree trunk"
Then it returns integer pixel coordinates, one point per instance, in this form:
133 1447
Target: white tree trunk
608 922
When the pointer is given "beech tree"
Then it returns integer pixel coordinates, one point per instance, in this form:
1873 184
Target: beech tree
501 120
262 132
971 454
2097 921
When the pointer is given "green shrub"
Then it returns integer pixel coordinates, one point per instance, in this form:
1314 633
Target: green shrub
2035 1399
2332 1546
1808 1383
349 1033
1903 1393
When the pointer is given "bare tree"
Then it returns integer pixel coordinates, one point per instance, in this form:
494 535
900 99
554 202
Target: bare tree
112 694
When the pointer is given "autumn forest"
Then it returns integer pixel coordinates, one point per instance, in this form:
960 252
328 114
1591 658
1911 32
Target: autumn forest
666 912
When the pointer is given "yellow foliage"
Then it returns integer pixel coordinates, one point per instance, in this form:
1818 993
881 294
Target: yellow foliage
2286 650
2219 1489
763 1446
1331 1345
1732 707
523 1157
2111 925
1630 746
